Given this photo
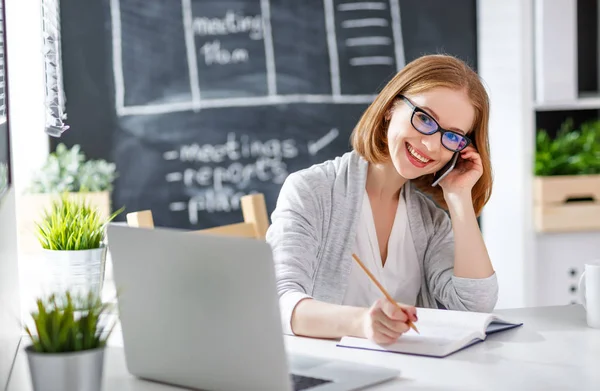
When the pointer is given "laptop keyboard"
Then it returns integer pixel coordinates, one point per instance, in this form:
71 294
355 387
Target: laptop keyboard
304 382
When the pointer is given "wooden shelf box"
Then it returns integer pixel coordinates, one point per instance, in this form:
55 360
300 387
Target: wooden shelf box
567 203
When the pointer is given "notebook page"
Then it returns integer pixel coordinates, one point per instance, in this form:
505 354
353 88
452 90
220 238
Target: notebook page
435 334
432 341
447 319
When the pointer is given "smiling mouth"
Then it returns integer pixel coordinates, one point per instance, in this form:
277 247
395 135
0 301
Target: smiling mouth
413 152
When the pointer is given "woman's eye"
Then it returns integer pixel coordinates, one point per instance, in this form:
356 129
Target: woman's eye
425 119
452 137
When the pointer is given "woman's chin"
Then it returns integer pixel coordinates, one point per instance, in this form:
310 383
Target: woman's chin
409 172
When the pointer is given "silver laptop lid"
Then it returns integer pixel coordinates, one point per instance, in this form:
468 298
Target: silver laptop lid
197 310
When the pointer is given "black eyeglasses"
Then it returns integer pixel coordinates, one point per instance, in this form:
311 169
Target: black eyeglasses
425 124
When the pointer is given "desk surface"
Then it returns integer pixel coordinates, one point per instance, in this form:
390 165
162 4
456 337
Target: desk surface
553 350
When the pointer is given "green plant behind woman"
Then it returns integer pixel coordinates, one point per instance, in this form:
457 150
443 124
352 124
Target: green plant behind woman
571 152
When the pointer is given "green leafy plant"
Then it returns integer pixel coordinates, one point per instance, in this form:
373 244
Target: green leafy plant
571 152
67 170
72 224
69 323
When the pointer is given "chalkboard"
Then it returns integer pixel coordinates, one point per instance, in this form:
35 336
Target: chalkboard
199 102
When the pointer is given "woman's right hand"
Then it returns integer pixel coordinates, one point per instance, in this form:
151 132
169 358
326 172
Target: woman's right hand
384 322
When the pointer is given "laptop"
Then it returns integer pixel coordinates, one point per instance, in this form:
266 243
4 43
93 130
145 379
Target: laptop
201 311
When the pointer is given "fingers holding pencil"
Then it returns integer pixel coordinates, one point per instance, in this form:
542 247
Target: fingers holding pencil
411 312
397 310
384 322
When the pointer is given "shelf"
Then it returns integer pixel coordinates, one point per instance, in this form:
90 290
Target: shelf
583 103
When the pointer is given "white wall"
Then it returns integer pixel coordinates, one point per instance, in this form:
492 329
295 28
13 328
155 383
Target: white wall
30 145
506 66
29 148
558 256
534 269
10 326
26 85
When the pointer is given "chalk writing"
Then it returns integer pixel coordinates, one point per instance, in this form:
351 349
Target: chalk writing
263 169
316 146
214 54
228 170
230 23
234 149
211 201
230 37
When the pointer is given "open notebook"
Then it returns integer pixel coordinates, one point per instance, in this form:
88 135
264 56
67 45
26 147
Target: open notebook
442 332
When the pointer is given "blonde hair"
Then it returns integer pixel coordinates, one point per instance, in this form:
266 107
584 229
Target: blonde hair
369 137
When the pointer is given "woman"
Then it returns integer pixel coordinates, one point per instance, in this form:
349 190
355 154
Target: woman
370 202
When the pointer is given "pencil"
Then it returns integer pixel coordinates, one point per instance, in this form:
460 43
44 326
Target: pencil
382 289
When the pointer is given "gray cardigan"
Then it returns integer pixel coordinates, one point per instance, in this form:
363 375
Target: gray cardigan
313 230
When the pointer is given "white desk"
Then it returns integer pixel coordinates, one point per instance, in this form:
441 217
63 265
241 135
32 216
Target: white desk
553 350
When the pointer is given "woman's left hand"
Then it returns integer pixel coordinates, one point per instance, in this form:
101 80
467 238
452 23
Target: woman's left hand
465 174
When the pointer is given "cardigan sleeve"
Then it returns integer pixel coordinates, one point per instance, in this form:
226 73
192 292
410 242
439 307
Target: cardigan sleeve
455 293
294 240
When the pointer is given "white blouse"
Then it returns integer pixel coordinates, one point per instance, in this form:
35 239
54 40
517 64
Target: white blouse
401 275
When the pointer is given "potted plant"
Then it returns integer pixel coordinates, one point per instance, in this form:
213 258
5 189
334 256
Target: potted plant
567 182
72 234
68 337
65 171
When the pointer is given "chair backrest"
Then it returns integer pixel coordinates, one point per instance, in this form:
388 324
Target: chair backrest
254 212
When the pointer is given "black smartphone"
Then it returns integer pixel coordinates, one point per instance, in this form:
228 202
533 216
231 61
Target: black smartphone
438 176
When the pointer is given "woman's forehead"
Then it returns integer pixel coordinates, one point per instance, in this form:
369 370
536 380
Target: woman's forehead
452 109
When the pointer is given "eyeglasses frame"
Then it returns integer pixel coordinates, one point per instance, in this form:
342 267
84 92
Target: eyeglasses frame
442 131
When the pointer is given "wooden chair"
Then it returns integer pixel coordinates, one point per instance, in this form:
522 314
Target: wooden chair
254 211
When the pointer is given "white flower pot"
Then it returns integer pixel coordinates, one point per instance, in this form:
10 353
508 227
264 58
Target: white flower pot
79 271
76 371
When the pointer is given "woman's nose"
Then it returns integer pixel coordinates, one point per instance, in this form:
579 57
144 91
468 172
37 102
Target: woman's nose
432 143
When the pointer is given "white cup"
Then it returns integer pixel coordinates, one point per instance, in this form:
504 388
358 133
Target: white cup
589 292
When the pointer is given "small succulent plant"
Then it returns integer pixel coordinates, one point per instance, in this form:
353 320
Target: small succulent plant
67 323
67 170
72 224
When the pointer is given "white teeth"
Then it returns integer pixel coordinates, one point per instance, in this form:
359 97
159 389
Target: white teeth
416 155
